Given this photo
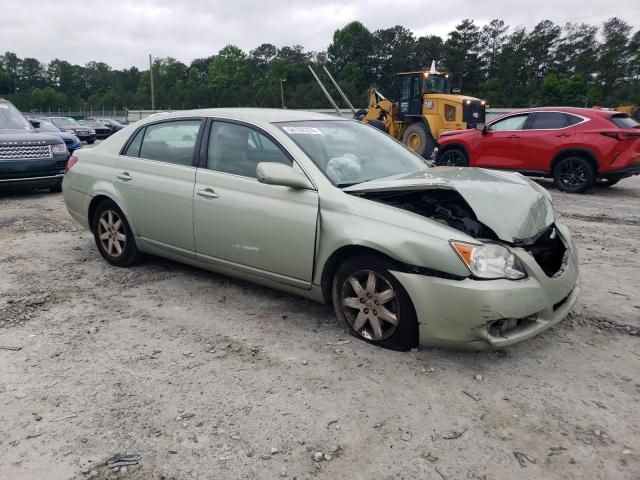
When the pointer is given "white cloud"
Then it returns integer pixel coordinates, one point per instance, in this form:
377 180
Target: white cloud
122 33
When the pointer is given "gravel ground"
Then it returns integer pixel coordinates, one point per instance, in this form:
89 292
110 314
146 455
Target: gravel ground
195 375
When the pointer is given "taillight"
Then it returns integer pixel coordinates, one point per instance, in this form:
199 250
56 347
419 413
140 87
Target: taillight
622 135
70 163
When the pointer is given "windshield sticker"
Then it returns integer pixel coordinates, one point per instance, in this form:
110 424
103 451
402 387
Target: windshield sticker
302 130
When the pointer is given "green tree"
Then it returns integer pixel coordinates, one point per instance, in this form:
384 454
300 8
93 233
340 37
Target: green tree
462 56
492 39
615 58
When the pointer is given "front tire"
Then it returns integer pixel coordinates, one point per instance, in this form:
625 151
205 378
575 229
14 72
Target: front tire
419 139
453 157
113 235
574 175
373 304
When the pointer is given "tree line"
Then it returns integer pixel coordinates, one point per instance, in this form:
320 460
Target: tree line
574 64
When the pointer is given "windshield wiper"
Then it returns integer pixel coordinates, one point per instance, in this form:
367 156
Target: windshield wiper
345 185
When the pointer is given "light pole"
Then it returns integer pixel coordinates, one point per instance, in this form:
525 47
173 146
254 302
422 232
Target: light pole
282 80
153 99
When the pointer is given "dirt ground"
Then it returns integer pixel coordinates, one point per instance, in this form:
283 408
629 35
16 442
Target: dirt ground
200 376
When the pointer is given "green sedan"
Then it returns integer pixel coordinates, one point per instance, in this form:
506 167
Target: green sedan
336 211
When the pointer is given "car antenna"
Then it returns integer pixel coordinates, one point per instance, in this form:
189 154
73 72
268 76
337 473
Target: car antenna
326 93
335 84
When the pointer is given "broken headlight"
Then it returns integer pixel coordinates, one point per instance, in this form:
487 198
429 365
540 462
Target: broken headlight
490 261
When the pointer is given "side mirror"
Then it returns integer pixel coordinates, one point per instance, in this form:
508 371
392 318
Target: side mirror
272 173
34 123
482 128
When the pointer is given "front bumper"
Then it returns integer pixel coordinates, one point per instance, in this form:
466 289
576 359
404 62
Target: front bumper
47 172
33 182
477 315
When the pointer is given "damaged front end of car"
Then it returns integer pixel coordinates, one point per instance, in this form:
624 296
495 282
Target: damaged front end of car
522 264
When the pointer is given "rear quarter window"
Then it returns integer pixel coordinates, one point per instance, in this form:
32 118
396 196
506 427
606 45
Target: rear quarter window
622 120
549 121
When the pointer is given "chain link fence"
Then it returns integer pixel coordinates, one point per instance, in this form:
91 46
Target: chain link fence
121 116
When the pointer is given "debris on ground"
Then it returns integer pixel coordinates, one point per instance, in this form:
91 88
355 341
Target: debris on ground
123 460
523 458
471 395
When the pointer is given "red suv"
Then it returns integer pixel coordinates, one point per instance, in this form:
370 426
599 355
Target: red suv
578 147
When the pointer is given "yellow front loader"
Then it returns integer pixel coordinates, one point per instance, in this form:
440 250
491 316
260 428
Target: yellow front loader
425 108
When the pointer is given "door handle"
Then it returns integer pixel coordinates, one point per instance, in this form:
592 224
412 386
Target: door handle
207 193
563 135
124 176
513 136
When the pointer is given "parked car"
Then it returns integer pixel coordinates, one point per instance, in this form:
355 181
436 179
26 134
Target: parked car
28 158
577 147
114 125
102 130
72 142
337 211
70 125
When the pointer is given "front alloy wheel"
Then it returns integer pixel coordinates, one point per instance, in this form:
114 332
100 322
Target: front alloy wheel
370 305
453 157
373 304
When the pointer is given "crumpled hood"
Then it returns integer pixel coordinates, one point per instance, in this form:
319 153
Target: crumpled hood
511 205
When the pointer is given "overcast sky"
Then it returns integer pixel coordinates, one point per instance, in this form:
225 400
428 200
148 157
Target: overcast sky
123 32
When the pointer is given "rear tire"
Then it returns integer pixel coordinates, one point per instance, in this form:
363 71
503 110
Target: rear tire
574 175
113 235
419 139
453 157
373 304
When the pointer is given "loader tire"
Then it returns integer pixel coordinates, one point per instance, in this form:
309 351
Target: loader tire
418 138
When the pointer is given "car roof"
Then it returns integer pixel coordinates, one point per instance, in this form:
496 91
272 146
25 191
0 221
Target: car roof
585 112
251 115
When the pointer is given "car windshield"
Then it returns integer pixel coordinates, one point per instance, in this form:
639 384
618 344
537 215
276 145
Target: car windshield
11 118
622 120
350 152
64 122
48 127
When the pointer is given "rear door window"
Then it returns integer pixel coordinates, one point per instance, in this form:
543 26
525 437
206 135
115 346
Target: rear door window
515 122
170 142
548 121
622 120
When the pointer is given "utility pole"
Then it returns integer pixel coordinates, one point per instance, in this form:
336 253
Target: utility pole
282 80
153 99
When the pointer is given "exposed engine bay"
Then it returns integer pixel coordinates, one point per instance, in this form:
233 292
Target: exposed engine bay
444 205
448 207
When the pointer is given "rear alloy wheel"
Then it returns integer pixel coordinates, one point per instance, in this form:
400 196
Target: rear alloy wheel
373 304
418 138
113 235
453 157
574 175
